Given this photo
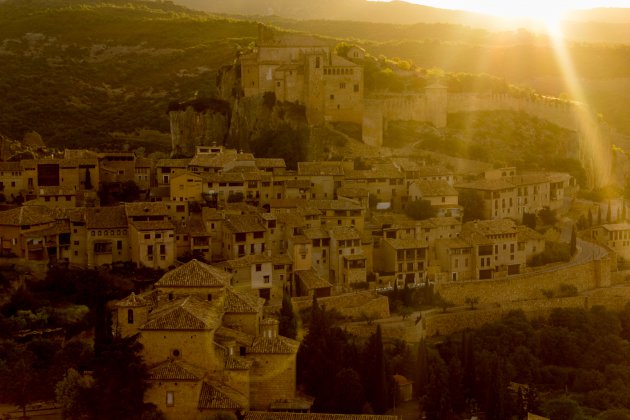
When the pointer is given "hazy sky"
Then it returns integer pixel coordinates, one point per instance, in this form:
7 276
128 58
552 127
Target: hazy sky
520 8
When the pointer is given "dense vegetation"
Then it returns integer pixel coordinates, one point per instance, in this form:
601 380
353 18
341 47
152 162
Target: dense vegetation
53 330
573 365
77 90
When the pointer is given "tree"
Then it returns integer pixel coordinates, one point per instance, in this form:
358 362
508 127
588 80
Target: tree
420 209
375 375
472 301
472 204
573 243
562 408
71 393
609 213
529 220
119 375
18 379
288 322
348 392
88 179
590 218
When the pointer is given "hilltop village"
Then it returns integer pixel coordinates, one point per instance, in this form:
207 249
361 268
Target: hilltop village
232 234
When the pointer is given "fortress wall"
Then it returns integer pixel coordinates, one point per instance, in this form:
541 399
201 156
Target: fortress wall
529 286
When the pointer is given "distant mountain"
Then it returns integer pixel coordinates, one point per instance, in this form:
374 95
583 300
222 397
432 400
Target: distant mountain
594 25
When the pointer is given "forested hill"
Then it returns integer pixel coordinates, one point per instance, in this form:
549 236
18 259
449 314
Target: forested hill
77 71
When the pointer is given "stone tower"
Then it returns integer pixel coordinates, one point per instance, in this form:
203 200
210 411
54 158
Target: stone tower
314 86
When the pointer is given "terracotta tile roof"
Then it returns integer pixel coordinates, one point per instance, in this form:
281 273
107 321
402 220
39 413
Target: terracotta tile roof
344 233
172 163
211 397
146 208
132 301
105 217
143 162
196 226
270 163
453 243
214 160
316 233
432 188
352 192
224 333
176 370
189 313
291 219
194 274
209 213
236 302
491 227
56 229
334 205
26 215
10 167
304 184
386 171
244 224
234 177
616 226
267 415
487 185
238 363
274 345
525 233
153 225
320 169
407 243
246 261
311 280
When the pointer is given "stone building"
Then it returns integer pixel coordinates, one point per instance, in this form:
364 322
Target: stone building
207 345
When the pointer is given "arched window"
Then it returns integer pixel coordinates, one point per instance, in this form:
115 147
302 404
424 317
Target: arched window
129 316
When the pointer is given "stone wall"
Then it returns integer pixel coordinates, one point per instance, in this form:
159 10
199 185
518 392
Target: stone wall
529 286
350 305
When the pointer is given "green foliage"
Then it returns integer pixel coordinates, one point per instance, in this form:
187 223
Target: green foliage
420 209
288 321
472 301
285 142
70 393
111 193
472 203
554 252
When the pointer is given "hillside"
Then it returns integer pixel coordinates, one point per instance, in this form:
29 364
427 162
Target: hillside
78 71
83 73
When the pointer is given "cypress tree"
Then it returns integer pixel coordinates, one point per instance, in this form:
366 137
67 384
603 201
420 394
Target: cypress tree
423 369
88 179
375 373
288 322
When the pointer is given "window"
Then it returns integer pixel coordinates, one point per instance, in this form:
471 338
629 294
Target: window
158 235
119 245
258 267
170 398
147 236
162 249
317 62
342 85
356 88
150 250
332 97
76 243
130 316
266 279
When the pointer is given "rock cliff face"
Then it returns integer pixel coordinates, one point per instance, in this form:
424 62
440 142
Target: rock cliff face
191 128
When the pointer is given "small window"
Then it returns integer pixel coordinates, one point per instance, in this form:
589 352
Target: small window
130 316
266 279
258 267
176 353
147 236
170 398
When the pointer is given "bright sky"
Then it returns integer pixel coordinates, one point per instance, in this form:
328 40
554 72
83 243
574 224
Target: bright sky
520 8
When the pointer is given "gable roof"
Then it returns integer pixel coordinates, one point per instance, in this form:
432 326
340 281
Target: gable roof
236 302
274 345
176 370
213 397
194 274
105 217
189 313
26 215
